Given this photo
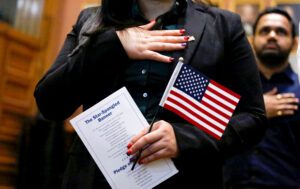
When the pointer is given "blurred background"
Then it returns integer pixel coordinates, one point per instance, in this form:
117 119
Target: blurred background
33 150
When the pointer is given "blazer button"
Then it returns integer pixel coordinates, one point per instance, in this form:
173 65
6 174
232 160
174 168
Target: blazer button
145 95
144 71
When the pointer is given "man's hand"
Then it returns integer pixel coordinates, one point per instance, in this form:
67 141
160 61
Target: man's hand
282 104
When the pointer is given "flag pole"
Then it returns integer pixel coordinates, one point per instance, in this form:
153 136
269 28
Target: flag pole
171 81
149 130
170 84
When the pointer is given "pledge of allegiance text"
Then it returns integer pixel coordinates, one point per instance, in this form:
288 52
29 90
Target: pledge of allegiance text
105 129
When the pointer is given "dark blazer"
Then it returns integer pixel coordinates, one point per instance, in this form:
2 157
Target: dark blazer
220 51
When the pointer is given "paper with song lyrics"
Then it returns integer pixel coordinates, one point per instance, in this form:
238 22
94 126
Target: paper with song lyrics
106 129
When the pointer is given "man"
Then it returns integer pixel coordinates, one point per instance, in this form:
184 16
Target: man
275 161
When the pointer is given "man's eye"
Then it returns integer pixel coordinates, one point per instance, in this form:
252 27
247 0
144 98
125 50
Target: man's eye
281 32
264 31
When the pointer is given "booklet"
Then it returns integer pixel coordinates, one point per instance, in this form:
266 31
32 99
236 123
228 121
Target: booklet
106 129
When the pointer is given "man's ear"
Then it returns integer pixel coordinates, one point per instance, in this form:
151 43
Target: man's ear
295 43
252 39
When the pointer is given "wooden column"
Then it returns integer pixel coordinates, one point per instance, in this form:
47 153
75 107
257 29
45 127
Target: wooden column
18 63
23 59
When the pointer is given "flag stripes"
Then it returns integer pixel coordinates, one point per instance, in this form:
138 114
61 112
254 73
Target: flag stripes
198 108
179 111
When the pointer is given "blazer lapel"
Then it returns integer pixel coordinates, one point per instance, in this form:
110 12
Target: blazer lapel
194 26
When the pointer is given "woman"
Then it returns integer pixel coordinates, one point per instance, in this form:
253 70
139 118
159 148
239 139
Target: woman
116 46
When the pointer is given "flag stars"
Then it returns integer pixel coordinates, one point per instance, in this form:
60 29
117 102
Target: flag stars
191 82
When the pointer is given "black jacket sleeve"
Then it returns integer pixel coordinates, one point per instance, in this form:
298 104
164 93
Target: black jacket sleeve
61 90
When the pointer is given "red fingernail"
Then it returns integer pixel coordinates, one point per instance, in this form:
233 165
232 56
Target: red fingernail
141 162
129 145
182 31
186 38
152 20
171 59
129 152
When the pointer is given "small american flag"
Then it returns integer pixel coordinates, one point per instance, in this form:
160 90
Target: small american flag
199 100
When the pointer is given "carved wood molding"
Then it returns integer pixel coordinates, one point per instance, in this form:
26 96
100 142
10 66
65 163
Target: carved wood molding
9 32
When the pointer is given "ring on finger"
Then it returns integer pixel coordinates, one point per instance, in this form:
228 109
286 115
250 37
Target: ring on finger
279 96
279 113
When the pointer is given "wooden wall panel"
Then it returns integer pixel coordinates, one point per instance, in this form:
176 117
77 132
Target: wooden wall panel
18 78
18 73
10 131
23 59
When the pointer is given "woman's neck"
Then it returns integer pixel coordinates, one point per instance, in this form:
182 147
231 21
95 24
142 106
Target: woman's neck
151 9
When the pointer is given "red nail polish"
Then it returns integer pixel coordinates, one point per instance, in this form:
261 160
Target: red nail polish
152 20
129 152
182 31
129 145
171 59
186 38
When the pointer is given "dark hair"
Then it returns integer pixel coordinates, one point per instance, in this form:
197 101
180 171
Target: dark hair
117 13
276 10
112 14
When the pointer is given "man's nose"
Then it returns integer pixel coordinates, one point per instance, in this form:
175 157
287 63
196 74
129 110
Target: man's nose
272 34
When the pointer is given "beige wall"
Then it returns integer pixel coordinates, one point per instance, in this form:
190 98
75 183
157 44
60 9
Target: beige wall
69 13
